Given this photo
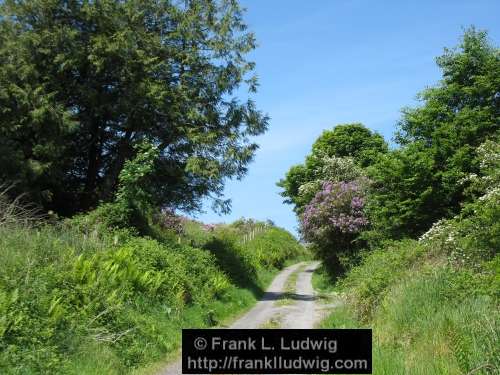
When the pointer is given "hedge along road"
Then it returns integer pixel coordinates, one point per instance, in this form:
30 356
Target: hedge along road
301 312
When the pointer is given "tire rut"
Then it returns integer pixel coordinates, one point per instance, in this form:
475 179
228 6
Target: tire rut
267 309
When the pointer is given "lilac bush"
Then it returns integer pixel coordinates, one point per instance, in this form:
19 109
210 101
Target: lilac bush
335 212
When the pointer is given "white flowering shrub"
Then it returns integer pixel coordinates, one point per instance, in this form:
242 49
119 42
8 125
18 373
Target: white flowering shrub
488 180
336 169
434 232
473 236
442 237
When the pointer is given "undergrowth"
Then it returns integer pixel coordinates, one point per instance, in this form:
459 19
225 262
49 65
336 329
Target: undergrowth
432 303
80 298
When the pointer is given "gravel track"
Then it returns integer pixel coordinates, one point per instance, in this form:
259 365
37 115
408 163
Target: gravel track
301 312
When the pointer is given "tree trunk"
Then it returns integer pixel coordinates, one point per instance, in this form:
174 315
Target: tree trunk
124 151
93 165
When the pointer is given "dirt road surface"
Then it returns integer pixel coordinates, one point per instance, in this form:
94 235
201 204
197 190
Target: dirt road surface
278 308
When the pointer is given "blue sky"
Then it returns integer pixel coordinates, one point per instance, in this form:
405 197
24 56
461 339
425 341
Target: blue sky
325 62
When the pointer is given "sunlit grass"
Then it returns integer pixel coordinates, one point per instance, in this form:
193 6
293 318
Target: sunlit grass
422 327
94 302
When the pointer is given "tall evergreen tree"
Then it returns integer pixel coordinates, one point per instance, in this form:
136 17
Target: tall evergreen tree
82 82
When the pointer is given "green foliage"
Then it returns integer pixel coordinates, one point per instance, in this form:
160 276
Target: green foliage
350 140
337 155
83 83
322 279
436 321
368 282
462 110
134 199
437 336
134 182
241 265
428 178
404 200
324 192
468 242
432 303
294 179
488 180
274 247
247 247
89 294
79 289
427 318
429 284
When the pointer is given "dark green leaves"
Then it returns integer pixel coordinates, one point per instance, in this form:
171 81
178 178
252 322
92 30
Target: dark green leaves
352 141
426 179
83 83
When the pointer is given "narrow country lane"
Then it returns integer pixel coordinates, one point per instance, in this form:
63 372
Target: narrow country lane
301 312
304 312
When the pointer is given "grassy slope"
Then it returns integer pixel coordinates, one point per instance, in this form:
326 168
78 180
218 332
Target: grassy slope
433 304
89 302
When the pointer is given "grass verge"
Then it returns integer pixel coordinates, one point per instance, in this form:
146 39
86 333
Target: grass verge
76 299
427 318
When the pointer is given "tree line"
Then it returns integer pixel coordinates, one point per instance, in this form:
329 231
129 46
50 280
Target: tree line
352 192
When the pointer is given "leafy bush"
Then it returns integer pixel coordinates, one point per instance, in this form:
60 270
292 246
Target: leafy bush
368 282
333 218
273 247
82 288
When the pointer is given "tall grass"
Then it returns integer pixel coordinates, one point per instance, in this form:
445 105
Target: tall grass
432 304
16 212
438 329
79 299
425 325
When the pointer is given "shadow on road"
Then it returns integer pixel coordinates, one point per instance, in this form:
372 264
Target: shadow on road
275 296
